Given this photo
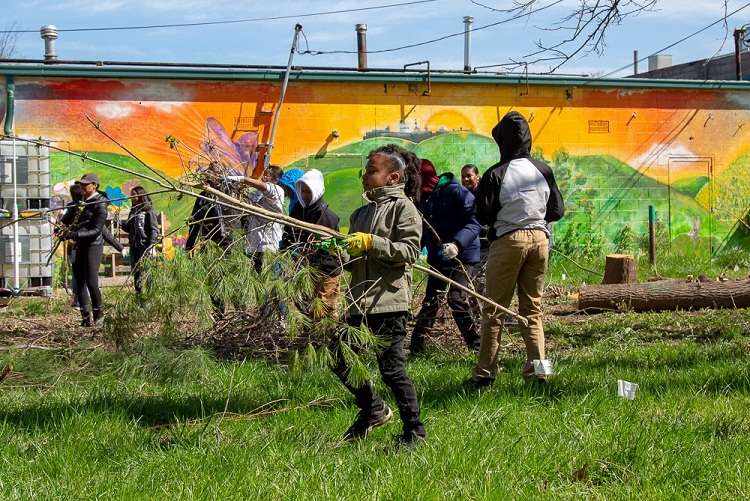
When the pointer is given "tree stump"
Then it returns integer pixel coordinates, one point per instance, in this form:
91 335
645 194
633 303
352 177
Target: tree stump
665 295
620 269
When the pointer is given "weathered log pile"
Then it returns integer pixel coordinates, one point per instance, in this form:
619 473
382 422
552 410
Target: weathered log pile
666 294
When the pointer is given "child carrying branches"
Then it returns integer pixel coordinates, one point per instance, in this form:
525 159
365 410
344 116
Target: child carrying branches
384 243
311 208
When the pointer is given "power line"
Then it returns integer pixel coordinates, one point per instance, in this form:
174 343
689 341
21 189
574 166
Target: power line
722 19
236 21
427 42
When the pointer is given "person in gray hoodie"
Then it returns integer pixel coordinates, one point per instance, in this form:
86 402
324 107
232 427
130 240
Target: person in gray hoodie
516 198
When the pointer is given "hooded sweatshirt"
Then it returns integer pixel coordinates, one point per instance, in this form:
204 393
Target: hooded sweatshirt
316 212
518 192
314 180
289 179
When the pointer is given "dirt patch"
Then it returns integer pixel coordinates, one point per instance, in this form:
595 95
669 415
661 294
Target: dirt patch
239 334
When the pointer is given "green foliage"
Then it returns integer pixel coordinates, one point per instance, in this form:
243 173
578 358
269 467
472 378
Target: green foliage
151 359
577 242
625 240
729 258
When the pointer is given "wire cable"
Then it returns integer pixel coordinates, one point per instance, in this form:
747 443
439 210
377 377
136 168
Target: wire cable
723 19
236 21
439 39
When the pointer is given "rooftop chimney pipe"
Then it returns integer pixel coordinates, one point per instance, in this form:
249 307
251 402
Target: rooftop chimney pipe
468 20
361 46
49 34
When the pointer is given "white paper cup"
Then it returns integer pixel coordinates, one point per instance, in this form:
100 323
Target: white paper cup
626 389
543 367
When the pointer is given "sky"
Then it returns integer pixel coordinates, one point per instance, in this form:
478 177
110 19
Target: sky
243 32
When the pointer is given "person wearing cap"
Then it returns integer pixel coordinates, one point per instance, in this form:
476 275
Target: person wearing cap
69 215
451 236
85 227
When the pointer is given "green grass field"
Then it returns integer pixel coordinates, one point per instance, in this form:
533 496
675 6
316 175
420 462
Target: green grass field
82 421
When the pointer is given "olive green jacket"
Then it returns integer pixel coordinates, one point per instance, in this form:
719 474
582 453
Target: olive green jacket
381 277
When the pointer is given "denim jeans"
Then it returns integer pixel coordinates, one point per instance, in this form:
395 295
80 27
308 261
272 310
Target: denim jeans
390 328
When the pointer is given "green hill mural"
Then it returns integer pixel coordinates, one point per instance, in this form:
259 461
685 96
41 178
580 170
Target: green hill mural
691 186
603 195
728 195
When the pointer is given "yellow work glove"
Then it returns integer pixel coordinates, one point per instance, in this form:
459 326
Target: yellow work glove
358 243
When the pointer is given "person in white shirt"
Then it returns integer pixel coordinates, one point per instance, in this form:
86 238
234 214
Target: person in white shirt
263 234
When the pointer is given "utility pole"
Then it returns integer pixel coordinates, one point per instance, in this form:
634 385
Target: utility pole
739 36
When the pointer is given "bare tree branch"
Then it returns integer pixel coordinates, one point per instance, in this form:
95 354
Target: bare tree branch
583 30
8 40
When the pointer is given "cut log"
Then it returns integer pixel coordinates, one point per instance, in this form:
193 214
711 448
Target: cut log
665 295
620 269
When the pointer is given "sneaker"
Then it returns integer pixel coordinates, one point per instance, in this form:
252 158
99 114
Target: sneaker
407 442
536 381
418 346
366 421
477 384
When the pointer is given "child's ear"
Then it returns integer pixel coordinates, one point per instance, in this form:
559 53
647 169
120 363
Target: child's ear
394 178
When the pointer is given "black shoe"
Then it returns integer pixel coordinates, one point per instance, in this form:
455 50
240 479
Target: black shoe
537 381
418 346
86 322
366 421
477 384
407 442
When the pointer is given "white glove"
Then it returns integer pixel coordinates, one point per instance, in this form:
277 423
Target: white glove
125 252
449 251
234 178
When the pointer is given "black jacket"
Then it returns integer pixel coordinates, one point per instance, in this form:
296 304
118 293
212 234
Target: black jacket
513 137
142 228
207 222
69 216
87 219
316 213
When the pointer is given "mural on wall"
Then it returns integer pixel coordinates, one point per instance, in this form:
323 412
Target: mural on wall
615 151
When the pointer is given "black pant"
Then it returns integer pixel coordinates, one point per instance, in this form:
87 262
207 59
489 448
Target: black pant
86 272
390 328
457 302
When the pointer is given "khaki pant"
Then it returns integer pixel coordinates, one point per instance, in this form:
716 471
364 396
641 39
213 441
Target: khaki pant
517 259
327 289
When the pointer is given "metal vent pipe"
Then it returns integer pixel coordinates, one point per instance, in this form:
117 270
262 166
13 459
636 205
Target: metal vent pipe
361 46
49 34
468 20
